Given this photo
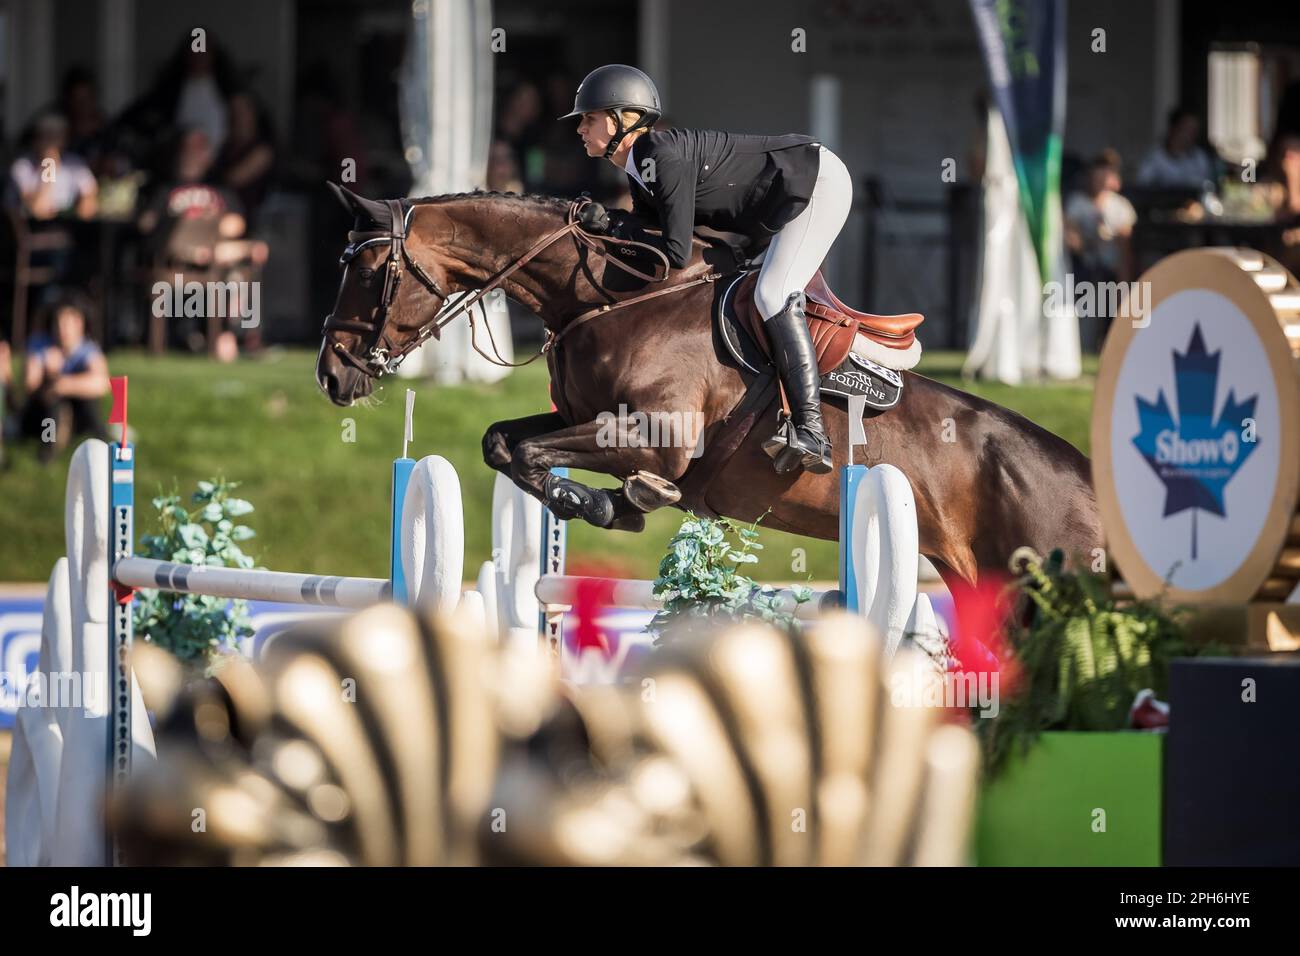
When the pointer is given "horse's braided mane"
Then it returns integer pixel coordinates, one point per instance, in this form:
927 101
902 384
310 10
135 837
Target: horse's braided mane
554 202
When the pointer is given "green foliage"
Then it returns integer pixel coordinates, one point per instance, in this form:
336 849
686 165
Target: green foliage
196 628
701 584
1082 657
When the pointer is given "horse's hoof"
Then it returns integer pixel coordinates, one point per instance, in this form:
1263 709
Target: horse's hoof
646 491
632 521
570 499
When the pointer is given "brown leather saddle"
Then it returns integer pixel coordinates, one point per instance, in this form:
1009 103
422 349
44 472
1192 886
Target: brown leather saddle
833 326
832 323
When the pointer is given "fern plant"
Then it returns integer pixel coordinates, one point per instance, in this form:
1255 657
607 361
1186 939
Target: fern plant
1082 657
197 628
701 584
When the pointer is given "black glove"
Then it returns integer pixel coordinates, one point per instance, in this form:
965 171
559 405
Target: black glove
594 218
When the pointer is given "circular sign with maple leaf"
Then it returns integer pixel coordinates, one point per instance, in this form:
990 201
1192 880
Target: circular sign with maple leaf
1195 438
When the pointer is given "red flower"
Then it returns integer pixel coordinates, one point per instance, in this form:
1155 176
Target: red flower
979 641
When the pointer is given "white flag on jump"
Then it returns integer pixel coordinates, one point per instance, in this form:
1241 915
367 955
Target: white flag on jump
857 434
408 436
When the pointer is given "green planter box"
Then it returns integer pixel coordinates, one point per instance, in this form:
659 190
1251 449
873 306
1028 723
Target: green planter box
1040 810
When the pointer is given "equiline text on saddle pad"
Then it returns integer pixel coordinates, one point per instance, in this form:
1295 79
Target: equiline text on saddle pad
838 337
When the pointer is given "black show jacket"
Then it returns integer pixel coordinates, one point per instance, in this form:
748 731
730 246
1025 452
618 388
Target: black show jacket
732 182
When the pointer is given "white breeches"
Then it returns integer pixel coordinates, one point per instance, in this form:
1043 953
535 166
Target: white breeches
797 251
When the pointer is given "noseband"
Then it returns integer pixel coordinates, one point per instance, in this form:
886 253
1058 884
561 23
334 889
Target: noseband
383 358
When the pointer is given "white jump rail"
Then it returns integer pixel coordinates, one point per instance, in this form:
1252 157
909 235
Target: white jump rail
287 587
559 590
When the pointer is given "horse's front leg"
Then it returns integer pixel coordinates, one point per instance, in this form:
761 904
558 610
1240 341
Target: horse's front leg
612 448
501 438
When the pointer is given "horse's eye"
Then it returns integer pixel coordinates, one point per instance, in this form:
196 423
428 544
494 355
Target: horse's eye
366 274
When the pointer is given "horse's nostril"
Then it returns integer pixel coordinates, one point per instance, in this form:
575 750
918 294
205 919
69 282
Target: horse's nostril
329 384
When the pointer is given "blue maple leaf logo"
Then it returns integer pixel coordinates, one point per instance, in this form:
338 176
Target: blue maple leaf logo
1196 455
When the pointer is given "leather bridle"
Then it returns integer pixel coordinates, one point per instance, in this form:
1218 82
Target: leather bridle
384 358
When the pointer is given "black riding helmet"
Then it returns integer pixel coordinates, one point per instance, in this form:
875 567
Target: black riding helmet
617 87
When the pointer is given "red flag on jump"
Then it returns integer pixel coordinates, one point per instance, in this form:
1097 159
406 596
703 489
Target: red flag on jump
592 596
118 415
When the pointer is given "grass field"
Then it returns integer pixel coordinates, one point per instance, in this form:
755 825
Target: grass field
322 501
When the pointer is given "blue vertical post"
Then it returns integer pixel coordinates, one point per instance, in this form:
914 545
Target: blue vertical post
850 477
121 544
554 542
402 468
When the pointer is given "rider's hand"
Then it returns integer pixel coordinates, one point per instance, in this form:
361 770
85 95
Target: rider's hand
622 224
594 218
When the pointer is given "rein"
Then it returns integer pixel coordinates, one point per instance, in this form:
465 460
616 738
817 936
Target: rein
384 359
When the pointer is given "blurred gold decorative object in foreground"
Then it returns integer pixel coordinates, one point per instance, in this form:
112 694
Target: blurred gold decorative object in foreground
385 739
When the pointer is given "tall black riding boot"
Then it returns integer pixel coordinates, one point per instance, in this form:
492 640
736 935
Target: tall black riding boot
800 440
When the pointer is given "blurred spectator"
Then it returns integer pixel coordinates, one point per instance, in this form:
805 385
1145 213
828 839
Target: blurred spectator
1099 223
502 170
247 159
48 181
1288 111
1281 173
198 229
325 146
566 171
186 215
1178 161
325 133
190 91
65 378
520 125
202 99
79 102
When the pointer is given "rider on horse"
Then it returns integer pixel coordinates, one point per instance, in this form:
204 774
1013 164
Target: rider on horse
790 188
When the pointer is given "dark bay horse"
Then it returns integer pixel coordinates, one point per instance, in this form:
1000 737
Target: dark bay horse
986 480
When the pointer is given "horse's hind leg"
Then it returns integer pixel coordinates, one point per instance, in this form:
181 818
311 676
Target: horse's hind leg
595 446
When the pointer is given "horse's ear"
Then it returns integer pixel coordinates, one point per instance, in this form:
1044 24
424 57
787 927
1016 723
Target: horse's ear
342 195
364 209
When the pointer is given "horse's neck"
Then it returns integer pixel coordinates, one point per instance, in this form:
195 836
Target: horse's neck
545 284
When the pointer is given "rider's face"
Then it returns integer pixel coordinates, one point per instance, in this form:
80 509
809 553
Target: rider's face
596 130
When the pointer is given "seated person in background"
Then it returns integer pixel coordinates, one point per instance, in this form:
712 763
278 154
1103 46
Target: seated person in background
79 104
1281 173
191 221
247 156
1178 162
1099 223
66 377
47 181
198 229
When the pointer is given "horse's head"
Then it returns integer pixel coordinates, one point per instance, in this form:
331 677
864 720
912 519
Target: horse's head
377 317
